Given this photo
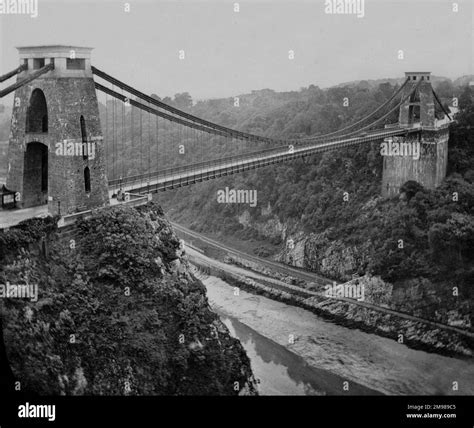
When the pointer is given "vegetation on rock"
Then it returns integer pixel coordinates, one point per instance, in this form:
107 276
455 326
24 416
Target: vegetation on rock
118 314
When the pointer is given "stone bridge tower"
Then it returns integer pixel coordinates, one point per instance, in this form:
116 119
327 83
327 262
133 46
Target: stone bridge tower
56 152
429 168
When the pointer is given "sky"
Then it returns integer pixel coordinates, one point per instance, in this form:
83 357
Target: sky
229 53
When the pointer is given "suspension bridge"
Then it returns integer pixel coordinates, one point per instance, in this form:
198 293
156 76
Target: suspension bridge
137 149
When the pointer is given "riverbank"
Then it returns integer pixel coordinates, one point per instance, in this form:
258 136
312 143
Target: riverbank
376 362
412 331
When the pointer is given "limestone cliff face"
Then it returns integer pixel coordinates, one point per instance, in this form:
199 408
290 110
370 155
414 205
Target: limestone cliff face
337 260
316 252
419 297
119 312
270 226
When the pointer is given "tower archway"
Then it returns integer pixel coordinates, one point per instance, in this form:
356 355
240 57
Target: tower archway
35 175
414 109
37 113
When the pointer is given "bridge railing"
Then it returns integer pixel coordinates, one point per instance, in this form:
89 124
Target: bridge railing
135 200
234 161
201 165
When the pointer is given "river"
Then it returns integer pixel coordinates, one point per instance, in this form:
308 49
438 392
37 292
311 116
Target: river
325 357
281 372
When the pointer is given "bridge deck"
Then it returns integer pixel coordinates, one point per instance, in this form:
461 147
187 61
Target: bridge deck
177 177
189 174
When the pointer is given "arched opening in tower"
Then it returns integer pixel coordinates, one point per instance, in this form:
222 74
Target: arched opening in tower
87 179
414 109
37 113
85 154
35 175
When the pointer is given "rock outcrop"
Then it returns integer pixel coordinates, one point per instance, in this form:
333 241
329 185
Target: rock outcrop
119 312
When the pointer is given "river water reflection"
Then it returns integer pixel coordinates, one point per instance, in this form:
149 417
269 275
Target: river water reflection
281 372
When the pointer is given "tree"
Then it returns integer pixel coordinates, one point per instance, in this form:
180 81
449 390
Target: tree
453 241
465 100
183 101
445 89
410 189
386 89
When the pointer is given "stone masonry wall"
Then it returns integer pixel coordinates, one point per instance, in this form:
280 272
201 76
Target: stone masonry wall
429 170
67 99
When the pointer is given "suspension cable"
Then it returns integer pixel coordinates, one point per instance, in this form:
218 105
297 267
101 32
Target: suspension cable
149 150
26 80
180 121
441 105
364 118
226 131
124 136
107 146
157 112
13 72
141 95
114 147
389 112
141 142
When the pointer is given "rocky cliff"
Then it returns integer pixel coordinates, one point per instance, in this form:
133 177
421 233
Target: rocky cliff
118 313
339 259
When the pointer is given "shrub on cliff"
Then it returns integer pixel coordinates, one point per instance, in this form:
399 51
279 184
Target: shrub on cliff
119 314
26 233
